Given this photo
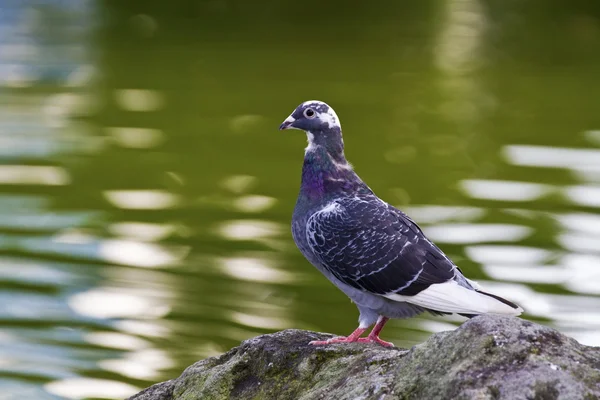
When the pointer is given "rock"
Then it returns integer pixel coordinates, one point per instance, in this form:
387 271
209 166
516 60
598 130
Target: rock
488 357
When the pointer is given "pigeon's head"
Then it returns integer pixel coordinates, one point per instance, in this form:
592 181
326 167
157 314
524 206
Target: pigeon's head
312 117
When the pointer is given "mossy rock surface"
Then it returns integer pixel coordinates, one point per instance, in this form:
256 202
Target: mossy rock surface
488 357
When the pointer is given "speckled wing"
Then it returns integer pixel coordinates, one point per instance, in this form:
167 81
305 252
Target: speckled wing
372 246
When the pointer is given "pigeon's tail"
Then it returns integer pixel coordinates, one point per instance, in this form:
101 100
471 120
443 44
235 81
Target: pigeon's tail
450 297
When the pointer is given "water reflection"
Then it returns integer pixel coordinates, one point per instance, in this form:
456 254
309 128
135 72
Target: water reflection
437 214
555 157
137 138
146 193
255 269
83 388
476 233
141 199
147 364
580 222
585 195
504 190
249 229
141 100
254 203
113 303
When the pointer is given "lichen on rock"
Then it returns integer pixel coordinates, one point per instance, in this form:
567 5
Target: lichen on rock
488 357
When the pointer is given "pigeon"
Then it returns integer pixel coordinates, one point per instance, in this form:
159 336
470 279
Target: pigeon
370 250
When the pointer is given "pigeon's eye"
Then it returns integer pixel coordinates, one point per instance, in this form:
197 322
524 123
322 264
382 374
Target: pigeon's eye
309 113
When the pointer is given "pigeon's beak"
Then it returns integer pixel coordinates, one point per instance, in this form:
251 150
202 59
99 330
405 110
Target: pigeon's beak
287 124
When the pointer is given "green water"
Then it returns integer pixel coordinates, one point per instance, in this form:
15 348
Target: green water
146 192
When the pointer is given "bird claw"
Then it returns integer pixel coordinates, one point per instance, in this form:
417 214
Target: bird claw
375 339
343 339
339 339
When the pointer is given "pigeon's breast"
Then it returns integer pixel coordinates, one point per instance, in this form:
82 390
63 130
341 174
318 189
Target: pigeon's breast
299 220
299 235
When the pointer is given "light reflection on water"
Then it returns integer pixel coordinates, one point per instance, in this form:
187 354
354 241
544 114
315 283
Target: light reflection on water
145 199
474 233
83 388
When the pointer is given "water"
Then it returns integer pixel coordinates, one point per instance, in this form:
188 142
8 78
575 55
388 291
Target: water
146 192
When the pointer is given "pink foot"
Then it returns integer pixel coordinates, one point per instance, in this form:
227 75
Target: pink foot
349 339
340 339
375 339
352 338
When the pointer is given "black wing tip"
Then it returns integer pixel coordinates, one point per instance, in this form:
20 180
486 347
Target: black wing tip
500 299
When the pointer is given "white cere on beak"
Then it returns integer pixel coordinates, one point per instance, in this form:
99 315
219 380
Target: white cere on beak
287 124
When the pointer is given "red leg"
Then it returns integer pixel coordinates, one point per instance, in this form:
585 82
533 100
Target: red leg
374 335
353 337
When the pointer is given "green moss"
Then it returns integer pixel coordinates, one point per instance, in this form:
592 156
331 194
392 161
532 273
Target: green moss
545 391
489 343
494 392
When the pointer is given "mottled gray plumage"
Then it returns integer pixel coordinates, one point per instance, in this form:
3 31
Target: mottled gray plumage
369 249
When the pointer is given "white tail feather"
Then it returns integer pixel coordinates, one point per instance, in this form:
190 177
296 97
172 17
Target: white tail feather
452 298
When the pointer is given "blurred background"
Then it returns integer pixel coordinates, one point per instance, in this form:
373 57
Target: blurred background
146 193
